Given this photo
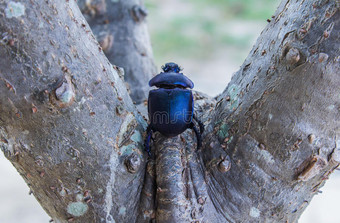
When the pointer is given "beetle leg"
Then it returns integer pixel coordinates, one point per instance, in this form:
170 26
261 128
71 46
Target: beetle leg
147 140
198 135
199 123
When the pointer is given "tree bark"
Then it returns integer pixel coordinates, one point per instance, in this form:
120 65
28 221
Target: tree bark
121 30
70 128
278 118
67 122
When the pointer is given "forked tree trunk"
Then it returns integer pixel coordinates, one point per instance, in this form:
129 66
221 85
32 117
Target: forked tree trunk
68 124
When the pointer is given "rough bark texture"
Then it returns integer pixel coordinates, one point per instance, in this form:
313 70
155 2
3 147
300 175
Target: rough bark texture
72 155
278 117
121 30
271 138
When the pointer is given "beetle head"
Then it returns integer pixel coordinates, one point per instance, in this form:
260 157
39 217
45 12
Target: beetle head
171 78
171 67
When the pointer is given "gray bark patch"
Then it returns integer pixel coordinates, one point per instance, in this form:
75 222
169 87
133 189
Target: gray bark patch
14 9
77 208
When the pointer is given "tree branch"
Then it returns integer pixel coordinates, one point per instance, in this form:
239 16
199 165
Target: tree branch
277 119
67 122
121 30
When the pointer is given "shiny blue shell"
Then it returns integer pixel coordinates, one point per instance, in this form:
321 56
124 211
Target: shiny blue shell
171 78
170 110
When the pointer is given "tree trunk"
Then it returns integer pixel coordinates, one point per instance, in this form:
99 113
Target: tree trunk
121 30
70 128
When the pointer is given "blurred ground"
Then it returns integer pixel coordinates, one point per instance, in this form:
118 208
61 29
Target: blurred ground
16 206
209 39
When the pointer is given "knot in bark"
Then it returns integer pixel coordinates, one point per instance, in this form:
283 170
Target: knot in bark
132 163
224 165
293 56
139 13
64 95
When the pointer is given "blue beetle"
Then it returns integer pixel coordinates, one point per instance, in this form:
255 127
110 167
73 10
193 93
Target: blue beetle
171 106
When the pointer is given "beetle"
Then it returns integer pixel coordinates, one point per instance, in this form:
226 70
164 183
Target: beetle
171 105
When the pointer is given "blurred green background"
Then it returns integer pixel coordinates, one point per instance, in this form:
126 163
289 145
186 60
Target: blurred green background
210 40
206 37
199 27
